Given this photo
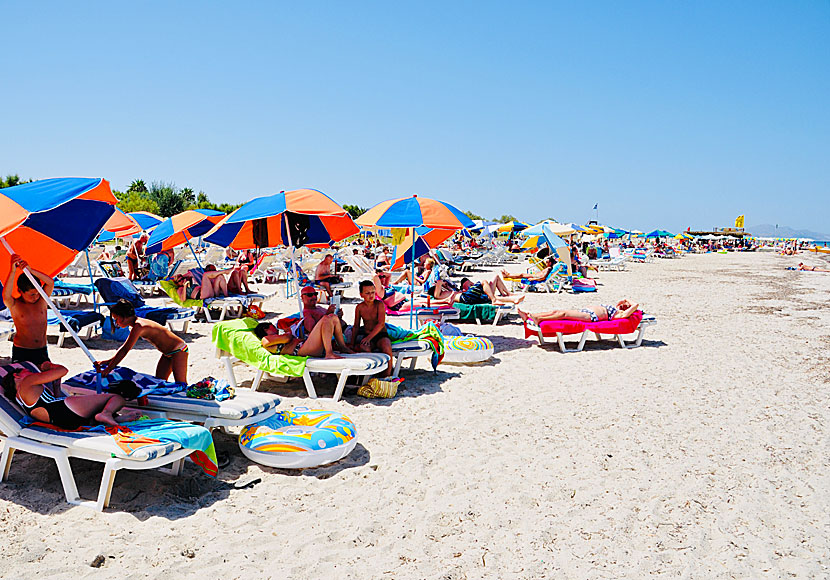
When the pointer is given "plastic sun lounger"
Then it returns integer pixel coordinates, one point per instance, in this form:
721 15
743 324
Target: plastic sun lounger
244 408
637 322
237 334
422 314
111 289
63 445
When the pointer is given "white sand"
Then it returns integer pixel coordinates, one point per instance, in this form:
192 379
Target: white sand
701 454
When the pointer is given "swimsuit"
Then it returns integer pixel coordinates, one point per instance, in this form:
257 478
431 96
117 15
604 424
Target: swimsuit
59 414
610 311
330 279
38 356
190 292
172 353
474 295
293 352
374 341
590 313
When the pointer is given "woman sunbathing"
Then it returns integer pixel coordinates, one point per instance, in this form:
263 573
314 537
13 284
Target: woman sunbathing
599 313
318 342
30 391
540 276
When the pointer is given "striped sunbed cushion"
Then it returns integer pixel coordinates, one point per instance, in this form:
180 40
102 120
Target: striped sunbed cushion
355 362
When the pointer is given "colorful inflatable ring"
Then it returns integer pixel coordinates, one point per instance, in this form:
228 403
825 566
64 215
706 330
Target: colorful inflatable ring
467 349
299 438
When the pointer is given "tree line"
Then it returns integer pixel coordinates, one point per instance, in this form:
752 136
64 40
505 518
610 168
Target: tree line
165 199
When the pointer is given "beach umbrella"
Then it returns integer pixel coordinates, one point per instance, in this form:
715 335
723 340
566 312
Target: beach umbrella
659 234
180 229
512 226
120 225
414 212
555 227
557 245
49 222
145 219
303 217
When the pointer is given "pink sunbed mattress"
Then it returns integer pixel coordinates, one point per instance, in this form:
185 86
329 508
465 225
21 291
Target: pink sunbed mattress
617 326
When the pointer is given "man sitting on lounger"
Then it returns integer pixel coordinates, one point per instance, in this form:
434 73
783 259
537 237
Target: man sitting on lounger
312 313
324 275
599 313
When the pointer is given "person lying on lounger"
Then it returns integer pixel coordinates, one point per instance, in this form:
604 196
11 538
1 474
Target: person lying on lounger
540 276
599 313
492 292
318 342
30 391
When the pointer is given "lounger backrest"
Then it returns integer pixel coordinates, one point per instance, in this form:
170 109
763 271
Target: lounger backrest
12 417
113 289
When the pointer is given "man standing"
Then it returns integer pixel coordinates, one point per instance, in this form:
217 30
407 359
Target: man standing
28 312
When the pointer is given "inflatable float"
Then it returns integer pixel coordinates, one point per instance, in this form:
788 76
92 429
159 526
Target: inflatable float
467 349
299 438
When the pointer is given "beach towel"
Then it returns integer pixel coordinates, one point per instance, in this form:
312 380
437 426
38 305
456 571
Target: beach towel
473 312
148 384
235 337
428 333
78 288
133 435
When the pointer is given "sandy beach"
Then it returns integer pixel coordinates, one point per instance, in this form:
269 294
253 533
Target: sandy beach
702 454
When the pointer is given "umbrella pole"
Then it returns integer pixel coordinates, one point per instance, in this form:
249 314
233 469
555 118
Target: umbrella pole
192 251
91 280
293 265
412 293
39 288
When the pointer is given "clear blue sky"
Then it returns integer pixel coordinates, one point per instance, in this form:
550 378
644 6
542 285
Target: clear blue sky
666 114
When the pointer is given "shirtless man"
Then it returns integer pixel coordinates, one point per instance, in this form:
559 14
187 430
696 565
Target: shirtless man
173 349
28 312
135 253
324 276
372 334
598 313
801 266
312 314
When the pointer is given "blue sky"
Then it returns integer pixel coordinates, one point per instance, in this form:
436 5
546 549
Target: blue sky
666 114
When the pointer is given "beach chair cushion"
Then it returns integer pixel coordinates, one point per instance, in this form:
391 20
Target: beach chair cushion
616 326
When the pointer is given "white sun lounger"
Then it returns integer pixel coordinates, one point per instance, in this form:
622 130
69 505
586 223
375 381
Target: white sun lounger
244 408
61 446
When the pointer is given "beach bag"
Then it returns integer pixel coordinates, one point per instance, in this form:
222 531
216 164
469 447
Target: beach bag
379 389
253 311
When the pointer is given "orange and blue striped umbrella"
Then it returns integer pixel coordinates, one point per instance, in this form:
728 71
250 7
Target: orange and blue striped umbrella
303 217
414 212
181 228
120 225
49 221
145 219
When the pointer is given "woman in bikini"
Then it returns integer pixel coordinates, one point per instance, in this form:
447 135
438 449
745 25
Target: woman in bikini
599 313
30 391
318 342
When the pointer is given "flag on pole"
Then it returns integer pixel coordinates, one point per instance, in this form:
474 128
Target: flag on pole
595 205
739 221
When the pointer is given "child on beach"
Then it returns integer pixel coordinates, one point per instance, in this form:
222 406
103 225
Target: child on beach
28 313
372 335
31 392
173 349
